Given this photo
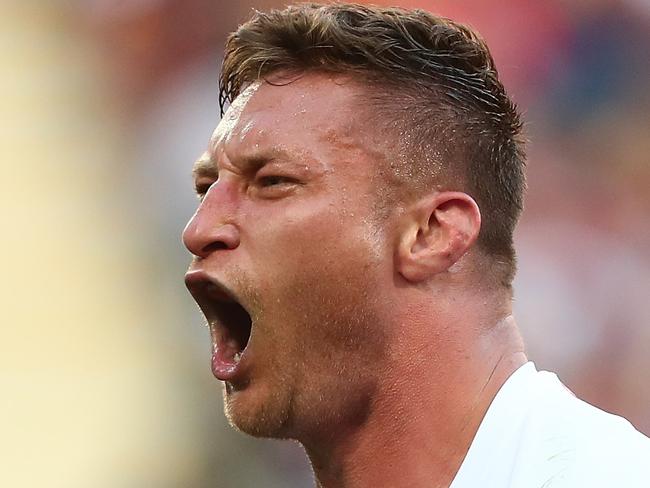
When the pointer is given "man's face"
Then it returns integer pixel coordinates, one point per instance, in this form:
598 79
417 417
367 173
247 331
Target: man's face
287 228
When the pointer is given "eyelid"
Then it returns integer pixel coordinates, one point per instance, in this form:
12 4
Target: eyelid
282 178
276 170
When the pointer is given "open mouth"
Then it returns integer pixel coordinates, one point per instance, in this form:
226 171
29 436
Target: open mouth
232 325
229 321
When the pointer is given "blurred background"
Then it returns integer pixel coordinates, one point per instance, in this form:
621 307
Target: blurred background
105 377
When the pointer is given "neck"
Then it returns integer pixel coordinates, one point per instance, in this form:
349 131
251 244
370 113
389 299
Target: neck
426 411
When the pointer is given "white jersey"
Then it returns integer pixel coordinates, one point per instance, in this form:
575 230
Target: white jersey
537 434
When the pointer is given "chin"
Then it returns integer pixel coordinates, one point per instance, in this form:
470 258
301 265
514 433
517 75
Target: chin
257 415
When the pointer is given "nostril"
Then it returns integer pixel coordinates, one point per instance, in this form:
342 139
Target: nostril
215 246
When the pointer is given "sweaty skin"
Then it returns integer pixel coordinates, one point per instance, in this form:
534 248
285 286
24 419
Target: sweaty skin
376 342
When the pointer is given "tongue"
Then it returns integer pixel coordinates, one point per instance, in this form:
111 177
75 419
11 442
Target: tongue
225 359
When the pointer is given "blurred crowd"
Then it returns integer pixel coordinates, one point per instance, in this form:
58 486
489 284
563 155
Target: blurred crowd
106 104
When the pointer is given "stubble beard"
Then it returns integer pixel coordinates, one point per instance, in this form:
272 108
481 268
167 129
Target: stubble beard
321 379
266 418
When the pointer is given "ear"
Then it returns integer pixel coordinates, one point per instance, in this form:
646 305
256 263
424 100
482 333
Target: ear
436 232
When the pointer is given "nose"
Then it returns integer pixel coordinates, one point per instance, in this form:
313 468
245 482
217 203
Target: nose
211 228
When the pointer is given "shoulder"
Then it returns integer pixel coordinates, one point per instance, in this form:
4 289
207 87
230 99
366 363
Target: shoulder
609 450
536 433
577 444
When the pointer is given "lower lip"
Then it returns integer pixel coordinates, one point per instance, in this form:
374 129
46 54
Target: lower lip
225 368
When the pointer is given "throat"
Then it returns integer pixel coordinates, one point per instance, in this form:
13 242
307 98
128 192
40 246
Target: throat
418 431
384 457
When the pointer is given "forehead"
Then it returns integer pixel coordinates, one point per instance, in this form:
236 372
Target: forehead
302 114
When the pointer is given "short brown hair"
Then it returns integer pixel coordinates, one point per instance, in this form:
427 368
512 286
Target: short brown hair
435 86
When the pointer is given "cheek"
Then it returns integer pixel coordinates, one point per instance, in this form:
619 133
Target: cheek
310 262
319 279
320 231
278 236
322 271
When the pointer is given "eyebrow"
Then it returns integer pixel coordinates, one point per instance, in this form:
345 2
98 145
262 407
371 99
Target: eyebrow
205 166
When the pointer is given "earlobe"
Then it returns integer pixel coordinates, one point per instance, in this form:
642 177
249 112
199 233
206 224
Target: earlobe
438 230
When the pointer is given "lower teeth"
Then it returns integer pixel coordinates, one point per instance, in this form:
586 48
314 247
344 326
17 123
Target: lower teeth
237 356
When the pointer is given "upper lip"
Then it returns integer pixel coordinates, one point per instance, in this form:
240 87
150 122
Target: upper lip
209 293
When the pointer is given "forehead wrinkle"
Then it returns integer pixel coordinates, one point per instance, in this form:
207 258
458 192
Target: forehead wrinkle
351 130
249 126
354 140
248 161
257 157
253 142
340 139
